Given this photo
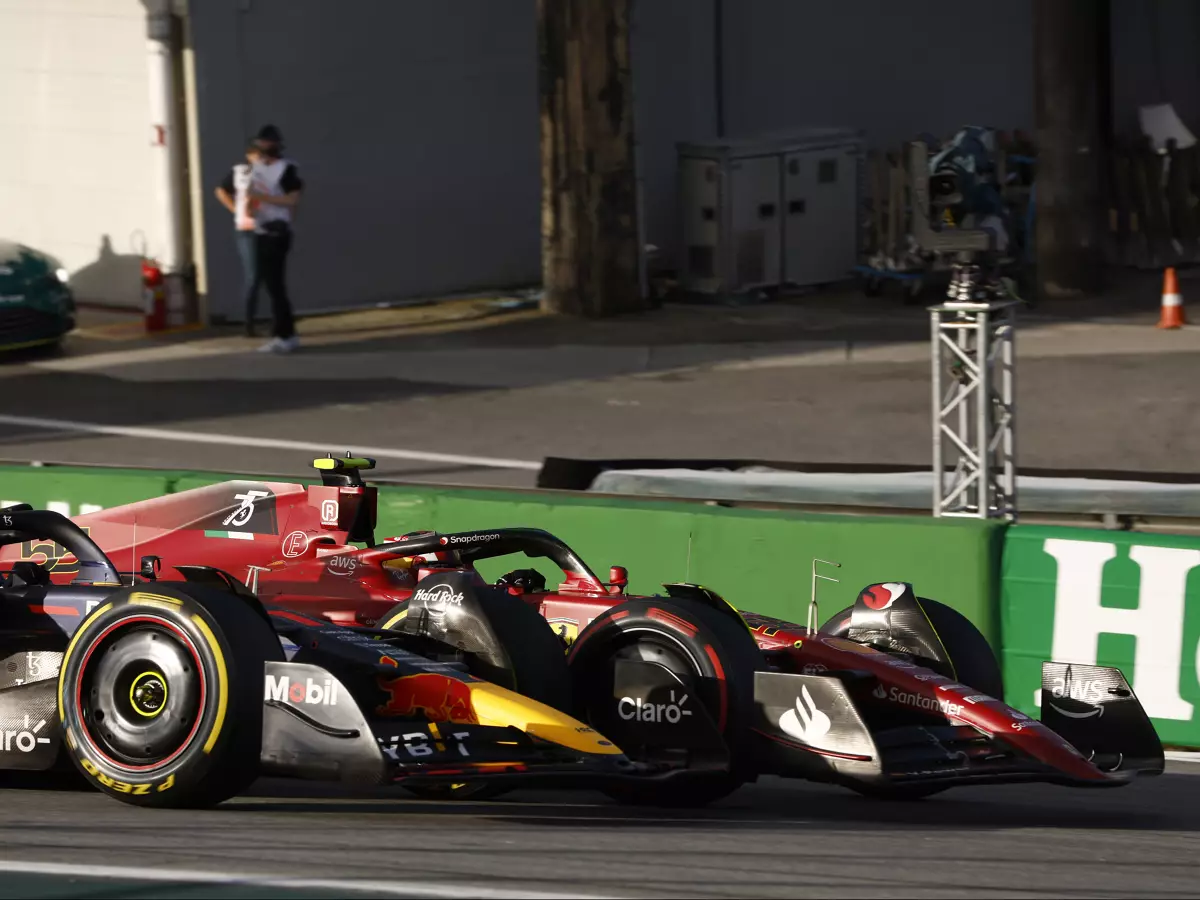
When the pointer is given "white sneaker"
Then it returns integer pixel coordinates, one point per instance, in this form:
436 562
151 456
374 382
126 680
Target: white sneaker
287 345
270 346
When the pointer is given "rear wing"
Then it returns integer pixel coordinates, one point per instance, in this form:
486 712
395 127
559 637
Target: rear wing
346 501
343 472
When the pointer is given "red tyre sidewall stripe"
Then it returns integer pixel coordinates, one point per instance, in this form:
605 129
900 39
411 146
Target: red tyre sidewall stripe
674 621
170 626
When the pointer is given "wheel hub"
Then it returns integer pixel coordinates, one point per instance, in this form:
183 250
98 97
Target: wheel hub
141 694
148 695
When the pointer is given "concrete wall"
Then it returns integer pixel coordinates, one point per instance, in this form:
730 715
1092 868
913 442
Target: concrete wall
674 100
414 124
76 149
1155 59
878 65
893 69
896 69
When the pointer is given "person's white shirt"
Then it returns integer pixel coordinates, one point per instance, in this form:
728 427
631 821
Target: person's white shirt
268 179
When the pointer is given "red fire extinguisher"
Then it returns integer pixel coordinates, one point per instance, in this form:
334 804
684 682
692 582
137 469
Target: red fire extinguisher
154 295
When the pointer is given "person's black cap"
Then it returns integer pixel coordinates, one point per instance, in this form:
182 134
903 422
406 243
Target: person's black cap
269 133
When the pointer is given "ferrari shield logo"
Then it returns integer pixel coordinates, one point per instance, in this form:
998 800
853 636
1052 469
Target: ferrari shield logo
567 629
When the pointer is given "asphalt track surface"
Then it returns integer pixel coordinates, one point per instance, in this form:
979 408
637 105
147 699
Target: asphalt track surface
819 381
772 839
500 394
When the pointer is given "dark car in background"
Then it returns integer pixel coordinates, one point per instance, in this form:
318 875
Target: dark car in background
36 303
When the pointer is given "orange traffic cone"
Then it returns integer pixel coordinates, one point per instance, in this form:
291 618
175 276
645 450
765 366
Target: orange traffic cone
1172 303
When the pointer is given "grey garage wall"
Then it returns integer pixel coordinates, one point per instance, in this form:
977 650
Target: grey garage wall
1155 59
893 68
416 126
414 123
899 68
674 100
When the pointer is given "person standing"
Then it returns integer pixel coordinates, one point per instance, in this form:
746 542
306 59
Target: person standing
262 196
234 194
276 188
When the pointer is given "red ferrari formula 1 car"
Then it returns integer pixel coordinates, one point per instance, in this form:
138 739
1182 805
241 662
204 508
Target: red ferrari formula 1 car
896 696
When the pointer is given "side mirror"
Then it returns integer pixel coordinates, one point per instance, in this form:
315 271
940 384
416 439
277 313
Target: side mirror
618 578
151 565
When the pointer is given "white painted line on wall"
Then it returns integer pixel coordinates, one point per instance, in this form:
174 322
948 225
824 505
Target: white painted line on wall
59 506
237 440
1183 756
395 888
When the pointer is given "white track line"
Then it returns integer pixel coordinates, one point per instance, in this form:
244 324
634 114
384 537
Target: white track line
1183 756
234 440
395 888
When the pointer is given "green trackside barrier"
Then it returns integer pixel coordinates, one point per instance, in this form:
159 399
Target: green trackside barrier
1107 598
75 491
760 560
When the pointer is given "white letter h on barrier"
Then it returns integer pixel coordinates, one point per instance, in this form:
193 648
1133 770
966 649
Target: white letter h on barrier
1157 623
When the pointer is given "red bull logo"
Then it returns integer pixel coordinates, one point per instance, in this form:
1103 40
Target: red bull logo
439 698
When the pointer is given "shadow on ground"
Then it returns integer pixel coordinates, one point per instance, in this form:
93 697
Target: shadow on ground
1164 803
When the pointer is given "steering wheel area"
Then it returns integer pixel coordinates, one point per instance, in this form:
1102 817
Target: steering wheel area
522 581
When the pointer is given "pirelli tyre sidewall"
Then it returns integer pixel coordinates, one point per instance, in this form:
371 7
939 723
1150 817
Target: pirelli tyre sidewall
718 655
160 694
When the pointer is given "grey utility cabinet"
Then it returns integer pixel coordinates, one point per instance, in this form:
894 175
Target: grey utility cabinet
771 211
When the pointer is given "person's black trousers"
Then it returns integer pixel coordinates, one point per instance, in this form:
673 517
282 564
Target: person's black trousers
273 249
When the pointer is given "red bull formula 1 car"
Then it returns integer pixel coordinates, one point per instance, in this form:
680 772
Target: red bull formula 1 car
897 696
180 693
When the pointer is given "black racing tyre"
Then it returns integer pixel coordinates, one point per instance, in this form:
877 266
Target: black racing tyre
711 648
974 661
160 694
539 670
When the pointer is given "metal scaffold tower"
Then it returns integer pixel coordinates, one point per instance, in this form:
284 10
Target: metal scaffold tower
973 403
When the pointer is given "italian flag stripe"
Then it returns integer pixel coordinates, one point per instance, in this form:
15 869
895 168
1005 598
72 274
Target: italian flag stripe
235 535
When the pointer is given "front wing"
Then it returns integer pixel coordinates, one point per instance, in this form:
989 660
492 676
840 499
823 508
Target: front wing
810 726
